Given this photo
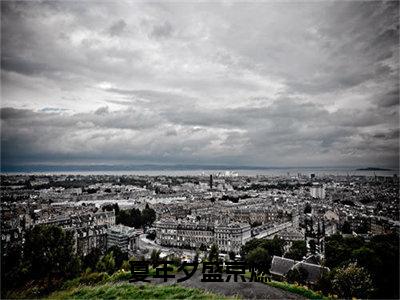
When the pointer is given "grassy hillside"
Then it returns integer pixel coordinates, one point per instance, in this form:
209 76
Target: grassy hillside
103 286
131 291
298 289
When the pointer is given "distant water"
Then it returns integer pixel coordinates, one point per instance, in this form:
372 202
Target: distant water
180 171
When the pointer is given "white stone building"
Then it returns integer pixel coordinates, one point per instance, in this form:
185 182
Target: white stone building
126 238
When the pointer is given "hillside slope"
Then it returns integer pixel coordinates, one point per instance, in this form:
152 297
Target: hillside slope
132 291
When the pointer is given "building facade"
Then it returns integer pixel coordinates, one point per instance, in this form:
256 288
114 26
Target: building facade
87 238
124 237
317 191
232 236
228 237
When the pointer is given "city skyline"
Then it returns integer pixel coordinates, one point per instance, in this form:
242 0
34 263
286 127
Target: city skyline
241 84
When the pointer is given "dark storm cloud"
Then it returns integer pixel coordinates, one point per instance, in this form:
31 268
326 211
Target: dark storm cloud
24 67
113 135
268 83
389 99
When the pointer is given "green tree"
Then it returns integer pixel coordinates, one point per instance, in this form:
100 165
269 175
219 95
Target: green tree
379 257
155 256
118 255
385 267
232 255
148 216
175 260
324 283
338 250
307 208
49 251
255 224
259 259
106 263
346 227
297 251
196 256
123 218
250 245
203 247
352 281
273 247
12 268
298 275
125 265
116 208
91 259
366 257
213 255
151 235
129 217
135 218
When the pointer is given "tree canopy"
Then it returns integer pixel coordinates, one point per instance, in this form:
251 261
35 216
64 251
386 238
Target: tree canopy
297 251
259 259
49 250
352 281
272 247
213 255
378 256
136 218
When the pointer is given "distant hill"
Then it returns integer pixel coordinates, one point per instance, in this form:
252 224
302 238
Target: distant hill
373 169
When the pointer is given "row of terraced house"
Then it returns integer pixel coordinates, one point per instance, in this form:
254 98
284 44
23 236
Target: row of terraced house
228 237
91 230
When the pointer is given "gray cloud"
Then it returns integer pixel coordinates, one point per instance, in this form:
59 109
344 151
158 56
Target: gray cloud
268 83
225 135
162 30
389 99
117 28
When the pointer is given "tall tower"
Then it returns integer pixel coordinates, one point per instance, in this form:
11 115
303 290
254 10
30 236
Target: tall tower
211 182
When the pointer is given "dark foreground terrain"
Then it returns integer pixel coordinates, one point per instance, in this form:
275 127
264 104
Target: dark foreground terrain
244 290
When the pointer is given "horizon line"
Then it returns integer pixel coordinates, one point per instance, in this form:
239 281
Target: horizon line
172 167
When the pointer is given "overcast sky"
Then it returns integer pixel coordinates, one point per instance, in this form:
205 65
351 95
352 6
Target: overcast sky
263 84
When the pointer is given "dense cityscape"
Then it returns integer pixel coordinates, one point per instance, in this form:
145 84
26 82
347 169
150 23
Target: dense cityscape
303 223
